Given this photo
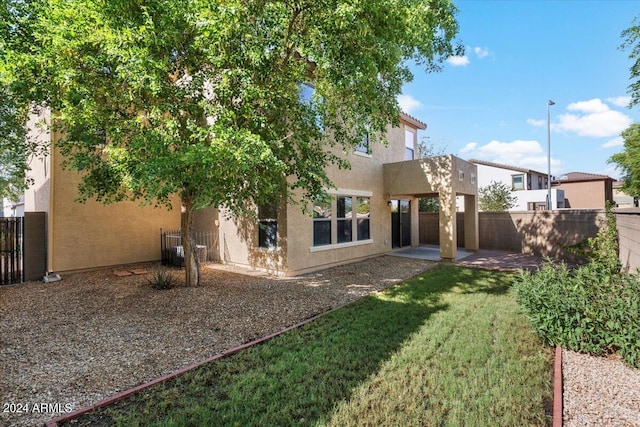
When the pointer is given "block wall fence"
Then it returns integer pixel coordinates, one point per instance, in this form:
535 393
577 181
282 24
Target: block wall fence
543 233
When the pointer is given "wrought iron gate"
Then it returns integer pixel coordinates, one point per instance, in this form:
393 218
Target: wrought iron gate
11 250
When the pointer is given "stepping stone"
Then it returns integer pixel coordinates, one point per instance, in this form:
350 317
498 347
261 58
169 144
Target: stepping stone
122 273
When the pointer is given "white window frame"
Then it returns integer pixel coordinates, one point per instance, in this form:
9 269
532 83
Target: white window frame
353 194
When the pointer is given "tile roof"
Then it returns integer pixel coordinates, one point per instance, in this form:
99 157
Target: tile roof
582 176
412 120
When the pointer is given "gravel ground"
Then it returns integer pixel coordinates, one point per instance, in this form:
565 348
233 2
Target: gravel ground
68 344
599 391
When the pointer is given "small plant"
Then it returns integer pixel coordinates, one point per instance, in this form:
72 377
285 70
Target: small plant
161 279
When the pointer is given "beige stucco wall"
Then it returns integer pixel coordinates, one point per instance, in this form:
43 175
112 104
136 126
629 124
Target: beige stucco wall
296 253
37 197
587 194
82 236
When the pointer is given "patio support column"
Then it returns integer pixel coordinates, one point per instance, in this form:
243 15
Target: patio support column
415 222
448 233
471 235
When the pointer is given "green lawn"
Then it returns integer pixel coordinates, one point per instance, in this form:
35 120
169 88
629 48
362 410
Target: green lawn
447 348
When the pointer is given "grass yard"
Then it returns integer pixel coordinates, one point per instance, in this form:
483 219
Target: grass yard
449 347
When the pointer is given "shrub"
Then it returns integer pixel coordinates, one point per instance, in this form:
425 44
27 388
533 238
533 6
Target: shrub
161 279
594 308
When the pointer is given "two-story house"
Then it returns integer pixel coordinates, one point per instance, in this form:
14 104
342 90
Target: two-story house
373 209
530 187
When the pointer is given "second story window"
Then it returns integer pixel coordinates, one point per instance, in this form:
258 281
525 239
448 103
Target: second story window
409 145
517 182
363 147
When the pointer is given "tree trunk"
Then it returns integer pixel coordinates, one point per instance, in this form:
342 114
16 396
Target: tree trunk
191 264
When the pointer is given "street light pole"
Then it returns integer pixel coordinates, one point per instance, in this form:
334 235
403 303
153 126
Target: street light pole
549 203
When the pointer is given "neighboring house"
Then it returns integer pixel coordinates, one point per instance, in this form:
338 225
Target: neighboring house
585 190
530 187
622 199
13 209
374 209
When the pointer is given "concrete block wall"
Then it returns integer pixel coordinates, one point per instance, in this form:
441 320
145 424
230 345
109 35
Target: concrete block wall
535 232
628 222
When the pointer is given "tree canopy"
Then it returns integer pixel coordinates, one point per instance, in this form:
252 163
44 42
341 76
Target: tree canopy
495 197
204 98
631 42
628 160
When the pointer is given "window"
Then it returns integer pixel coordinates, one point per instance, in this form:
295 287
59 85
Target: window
363 214
322 223
460 175
540 181
343 221
408 144
363 147
473 178
268 225
344 214
517 182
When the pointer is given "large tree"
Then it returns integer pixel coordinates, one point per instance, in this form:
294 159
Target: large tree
204 99
629 159
631 42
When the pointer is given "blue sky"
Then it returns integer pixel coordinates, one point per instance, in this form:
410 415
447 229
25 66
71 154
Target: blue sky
491 104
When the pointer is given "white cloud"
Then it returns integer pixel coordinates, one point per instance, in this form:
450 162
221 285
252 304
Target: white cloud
481 51
408 103
615 142
592 118
537 123
620 101
598 124
592 106
525 154
469 147
458 61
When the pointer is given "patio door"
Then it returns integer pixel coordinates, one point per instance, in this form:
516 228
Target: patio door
400 223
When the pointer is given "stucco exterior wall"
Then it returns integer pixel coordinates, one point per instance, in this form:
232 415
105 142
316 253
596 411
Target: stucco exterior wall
628 223
38 196
83 236
587 194
296 253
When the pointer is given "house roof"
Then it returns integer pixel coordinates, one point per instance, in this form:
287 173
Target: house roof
582 176
503 166
412 120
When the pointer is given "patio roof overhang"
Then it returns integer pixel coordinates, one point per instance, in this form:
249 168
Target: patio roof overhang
444 176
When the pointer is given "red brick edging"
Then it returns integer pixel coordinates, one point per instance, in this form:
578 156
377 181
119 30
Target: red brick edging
557 377
126 393
557 388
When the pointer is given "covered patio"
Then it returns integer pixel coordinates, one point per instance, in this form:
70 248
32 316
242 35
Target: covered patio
445 177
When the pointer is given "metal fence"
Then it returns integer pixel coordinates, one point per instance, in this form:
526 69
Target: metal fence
11 250
173 252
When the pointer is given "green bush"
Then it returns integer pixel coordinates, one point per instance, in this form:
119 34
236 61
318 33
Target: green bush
593 309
